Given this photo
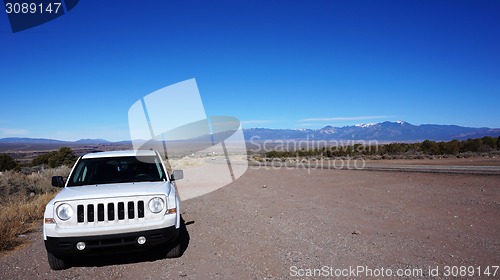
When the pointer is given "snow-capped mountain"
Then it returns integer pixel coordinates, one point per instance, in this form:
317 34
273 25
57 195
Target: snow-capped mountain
385 131
365 124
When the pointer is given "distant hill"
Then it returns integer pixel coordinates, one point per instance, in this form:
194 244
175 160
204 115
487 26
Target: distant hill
385 131
92 141
31 140
25 140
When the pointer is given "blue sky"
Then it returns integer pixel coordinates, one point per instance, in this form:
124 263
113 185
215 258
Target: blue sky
276 64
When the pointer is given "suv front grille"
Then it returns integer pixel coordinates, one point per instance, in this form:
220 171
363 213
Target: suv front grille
106 211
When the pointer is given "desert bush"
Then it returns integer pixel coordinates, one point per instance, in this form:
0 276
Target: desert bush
64 156
16 185
22 199
395 148
7 163
452 147
430 147
489 143
472 145
19 217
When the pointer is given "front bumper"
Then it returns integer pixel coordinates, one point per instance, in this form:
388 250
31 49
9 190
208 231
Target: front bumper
113 243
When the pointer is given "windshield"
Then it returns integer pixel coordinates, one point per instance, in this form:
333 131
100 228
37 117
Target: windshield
109 170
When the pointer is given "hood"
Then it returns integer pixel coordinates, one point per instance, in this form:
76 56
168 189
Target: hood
113 190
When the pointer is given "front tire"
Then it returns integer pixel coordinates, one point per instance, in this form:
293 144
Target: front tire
56 263
175 251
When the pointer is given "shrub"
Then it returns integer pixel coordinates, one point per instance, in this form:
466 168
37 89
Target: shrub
472 145
489 142
64 156
20 217
15 185
430 147
452 148
22 200
7 163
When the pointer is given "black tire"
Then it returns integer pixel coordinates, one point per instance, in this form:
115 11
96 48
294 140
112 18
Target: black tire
56 263
174 252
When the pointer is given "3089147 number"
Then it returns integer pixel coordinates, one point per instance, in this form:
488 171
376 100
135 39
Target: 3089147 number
463 271
32 8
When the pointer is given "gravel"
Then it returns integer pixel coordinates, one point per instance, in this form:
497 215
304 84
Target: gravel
270 223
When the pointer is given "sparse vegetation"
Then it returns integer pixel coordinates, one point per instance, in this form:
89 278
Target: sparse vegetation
7 163
18 217
485 145
64 156
22 199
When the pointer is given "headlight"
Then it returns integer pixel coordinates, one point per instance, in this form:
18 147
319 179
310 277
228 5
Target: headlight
64 211
156 204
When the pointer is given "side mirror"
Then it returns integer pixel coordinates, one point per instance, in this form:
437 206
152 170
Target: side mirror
57 181
177 175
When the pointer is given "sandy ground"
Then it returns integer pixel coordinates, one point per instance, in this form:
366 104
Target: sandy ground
275 224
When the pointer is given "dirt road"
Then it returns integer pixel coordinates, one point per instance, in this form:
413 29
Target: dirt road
276 224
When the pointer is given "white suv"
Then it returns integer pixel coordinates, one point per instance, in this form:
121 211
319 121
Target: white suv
112 202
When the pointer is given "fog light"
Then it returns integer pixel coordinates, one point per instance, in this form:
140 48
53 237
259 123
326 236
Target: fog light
141 240
80 245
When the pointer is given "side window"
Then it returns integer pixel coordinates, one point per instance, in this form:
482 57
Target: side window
78 173
158 165
84 174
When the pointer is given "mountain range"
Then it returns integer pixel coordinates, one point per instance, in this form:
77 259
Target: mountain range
385 131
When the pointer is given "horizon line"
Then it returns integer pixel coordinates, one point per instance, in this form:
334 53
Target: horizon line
130 140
